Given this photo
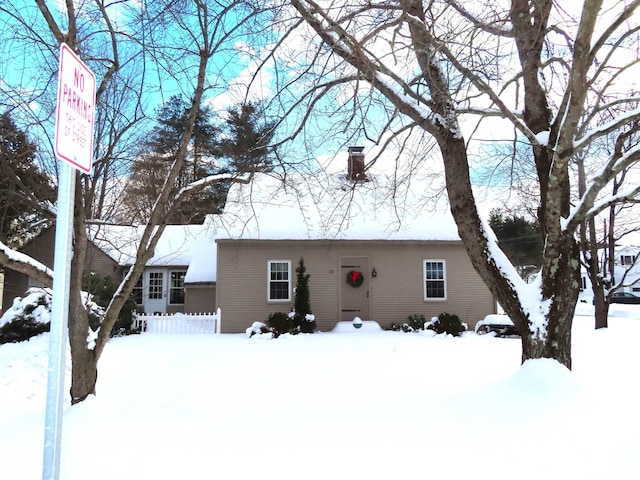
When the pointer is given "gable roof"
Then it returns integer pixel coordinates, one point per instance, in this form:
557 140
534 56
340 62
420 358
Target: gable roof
175 247
293 207
327 206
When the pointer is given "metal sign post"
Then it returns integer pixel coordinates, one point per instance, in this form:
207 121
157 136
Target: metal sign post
58 335
73 145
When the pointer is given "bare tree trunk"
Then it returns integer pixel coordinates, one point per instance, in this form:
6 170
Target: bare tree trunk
83 360
563 286
601 307
84 365
560 288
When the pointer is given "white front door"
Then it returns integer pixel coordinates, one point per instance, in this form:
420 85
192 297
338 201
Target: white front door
155 291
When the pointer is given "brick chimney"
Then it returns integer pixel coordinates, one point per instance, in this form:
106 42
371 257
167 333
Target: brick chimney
355 165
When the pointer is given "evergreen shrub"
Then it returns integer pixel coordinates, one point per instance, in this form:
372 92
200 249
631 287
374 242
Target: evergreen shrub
447 323
303 319
281 323
414 322
102 290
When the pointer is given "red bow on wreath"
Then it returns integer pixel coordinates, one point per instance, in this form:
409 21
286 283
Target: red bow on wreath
355 278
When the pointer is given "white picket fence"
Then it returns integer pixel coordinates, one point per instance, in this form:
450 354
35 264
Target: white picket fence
178 323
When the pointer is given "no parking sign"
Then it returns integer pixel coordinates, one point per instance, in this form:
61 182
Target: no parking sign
75 111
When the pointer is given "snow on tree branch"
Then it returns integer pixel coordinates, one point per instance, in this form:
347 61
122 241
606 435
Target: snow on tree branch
25 264
606 128
210 180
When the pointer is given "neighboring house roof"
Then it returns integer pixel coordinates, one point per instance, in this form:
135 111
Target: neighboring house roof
324 206
175 247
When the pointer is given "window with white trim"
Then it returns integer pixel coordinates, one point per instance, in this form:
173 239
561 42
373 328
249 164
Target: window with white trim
435 280
627 260
136 294
176 288
279 280
156 285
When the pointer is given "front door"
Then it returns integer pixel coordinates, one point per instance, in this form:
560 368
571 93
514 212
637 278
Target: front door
354 287
155 292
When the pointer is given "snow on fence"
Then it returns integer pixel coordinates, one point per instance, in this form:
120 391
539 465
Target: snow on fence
178 323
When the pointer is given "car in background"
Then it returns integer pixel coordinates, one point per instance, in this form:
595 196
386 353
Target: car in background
625 297
501 325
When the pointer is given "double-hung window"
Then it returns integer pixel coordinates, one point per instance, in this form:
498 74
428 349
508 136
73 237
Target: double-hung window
435 280
176 289
627 260
136 294
279 280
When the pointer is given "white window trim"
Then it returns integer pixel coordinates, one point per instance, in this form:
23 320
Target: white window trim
627 260
424 279
278 300
171 287
149 287
139 287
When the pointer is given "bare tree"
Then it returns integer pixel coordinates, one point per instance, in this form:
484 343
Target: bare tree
174 41
524 68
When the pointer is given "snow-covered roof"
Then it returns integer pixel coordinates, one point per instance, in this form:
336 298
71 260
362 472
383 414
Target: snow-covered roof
204 254
175 248
328 206
296 207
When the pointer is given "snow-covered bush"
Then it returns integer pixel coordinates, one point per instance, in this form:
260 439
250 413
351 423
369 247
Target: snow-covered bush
31 315
300 324
446 323
281 323
443 323
414 323
28 316
261 330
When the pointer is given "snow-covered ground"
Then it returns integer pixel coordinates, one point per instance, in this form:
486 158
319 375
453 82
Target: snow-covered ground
357 405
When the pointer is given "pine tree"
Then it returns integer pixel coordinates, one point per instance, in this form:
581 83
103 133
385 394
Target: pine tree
23 187
248 136
157 155
520 239
302 307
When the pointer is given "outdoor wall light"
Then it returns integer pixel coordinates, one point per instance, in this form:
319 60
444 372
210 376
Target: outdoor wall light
374 273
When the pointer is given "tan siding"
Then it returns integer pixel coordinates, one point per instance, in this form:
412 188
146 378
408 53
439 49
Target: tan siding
42 249
15 284
395 293
200 299
99 262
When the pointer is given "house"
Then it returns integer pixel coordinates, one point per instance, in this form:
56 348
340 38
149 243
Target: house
41 248
626 270
161 288
372 247
627 266
110 253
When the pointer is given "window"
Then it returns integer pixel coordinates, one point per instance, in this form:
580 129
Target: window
583 284
176 289
435 286
279 280
156 285
626 260
137 292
